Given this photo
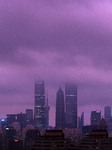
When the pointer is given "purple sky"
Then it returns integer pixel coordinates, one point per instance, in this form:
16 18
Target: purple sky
55 41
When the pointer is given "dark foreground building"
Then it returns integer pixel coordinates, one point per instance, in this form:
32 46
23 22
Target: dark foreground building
53 140
97 140
15 145
86 130
31 136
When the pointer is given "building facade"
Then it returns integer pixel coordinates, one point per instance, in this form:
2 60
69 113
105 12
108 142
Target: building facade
71 105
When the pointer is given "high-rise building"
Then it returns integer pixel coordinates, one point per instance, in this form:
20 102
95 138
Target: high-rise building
41 111
71 105
107 113
60 115
95 117
108 118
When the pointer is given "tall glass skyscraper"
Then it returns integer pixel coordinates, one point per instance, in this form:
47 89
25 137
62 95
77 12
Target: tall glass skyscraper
71 105
60 115
40 107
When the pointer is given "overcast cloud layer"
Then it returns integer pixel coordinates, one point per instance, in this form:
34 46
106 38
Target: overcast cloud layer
55 41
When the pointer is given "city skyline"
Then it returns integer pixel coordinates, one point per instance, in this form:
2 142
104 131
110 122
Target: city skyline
70 93
58 42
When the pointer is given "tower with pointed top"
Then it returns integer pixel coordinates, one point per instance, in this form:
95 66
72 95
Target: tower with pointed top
60 115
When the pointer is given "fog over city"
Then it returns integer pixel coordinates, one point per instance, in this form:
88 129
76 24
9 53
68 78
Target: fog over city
56 41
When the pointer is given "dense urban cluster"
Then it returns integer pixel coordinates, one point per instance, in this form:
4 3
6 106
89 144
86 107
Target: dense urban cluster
31 131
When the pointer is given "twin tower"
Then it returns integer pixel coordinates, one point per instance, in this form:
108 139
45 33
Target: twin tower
66 111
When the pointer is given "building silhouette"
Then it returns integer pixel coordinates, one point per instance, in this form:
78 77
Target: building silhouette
108 118
107 113
31 136
97 138
53 140
60 115
81 121
95 117
11 118
102 125
71 105
22 119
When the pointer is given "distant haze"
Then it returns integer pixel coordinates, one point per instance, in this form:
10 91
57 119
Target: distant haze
55 41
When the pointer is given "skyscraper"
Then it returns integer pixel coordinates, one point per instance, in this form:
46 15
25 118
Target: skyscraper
71 105
60 115
95 117
39 108
108 118
107 113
